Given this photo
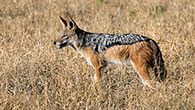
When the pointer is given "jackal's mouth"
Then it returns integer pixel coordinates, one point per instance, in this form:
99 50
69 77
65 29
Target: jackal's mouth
60 45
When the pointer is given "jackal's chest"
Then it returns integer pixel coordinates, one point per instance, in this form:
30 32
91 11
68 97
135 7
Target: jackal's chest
86 56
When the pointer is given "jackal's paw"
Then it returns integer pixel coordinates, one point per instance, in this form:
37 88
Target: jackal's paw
94 79
150 83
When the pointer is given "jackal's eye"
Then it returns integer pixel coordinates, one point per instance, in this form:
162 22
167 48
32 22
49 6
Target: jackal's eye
65 37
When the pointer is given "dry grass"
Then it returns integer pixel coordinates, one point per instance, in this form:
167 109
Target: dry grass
34 74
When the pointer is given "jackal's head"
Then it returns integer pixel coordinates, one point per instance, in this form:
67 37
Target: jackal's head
69 35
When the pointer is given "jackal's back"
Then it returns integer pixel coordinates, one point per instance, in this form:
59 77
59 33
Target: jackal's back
100 42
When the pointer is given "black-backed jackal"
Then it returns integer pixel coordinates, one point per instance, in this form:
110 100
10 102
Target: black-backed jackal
125 49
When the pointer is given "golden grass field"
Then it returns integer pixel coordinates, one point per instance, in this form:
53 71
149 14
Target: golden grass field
35 75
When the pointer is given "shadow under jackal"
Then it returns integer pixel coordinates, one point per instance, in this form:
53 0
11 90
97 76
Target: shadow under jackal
100 49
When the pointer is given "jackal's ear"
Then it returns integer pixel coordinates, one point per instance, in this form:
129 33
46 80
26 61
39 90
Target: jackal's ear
63 22
71 24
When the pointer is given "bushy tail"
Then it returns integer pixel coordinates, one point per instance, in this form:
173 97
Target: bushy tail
158 65
159 68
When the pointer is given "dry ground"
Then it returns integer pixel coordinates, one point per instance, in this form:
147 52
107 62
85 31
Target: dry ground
34 74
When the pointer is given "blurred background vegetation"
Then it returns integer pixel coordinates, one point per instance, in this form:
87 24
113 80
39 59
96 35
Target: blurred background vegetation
34 74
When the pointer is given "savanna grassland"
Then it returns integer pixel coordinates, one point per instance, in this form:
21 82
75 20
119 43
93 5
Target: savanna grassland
35 75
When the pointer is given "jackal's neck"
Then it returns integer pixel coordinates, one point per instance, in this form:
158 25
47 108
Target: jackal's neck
81 36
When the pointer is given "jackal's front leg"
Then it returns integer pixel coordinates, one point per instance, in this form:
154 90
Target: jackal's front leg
97 77
98 65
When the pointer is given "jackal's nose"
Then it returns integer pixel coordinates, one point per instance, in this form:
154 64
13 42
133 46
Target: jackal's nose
54 43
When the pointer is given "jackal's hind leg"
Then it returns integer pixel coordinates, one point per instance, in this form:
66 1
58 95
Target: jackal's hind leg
143 73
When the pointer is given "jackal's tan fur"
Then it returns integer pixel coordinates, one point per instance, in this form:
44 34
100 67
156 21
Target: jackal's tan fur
125 49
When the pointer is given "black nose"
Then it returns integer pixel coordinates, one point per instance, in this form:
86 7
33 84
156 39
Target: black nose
54 43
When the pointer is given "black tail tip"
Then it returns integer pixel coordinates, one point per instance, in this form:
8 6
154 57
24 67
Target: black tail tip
161 76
